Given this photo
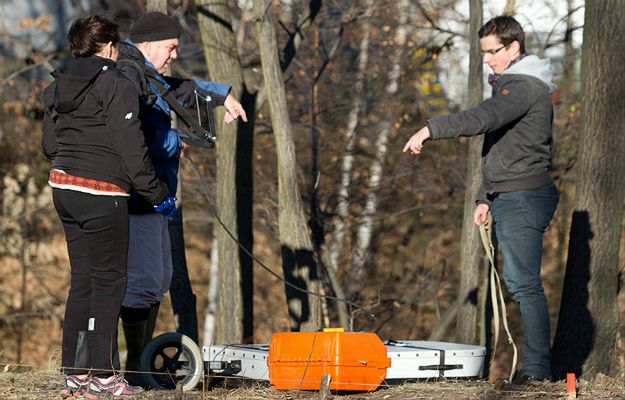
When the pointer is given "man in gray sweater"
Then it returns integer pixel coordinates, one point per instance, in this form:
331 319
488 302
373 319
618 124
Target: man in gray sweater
516 186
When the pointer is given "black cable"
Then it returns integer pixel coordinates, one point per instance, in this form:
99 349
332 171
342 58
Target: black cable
369 315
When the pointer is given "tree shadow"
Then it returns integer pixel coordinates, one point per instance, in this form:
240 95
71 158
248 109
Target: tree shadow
575 330
245 209
300 270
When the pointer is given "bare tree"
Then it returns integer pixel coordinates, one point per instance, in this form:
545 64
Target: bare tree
234 179
342 214
564 148
589 319
210 320
471 253
365 230
341 221
296 246
296 38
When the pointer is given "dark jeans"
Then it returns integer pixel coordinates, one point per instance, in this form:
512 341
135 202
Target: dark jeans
520 219
96 230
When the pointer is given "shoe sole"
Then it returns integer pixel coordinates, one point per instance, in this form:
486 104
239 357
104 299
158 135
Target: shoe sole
66 393
99 396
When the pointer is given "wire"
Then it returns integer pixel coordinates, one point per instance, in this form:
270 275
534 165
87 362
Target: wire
214 210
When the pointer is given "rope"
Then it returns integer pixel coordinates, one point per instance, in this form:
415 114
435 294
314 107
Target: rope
496 296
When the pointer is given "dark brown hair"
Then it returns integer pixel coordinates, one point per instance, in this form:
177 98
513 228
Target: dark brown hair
89 34
507 29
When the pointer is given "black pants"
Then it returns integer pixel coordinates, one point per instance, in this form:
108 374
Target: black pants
96 230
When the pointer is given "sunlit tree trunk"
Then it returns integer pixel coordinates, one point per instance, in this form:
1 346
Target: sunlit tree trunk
234 178
297 251
156 5
296 38
471 251
565 154
589 319
509 8
210 321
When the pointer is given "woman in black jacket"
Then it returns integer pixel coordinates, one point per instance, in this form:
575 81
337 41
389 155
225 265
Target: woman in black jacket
92 133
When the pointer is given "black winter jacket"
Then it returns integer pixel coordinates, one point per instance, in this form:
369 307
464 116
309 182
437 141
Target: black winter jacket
91 127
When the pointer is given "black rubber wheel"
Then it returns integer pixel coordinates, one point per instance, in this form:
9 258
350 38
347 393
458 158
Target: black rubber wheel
171 360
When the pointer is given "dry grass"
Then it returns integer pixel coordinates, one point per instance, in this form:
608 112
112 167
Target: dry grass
45 385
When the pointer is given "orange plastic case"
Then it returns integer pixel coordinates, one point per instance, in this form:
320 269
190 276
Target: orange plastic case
354 360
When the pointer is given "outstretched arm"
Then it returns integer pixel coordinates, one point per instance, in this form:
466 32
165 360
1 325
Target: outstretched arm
183 89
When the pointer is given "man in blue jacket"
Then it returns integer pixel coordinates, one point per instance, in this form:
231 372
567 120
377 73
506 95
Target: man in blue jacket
144 58
516 186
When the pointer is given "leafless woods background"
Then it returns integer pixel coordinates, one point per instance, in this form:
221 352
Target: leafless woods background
316 184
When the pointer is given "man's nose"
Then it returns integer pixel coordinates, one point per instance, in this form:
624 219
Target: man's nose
174 54
488 59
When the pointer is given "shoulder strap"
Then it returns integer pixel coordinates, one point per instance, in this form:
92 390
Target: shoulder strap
198 135
144 83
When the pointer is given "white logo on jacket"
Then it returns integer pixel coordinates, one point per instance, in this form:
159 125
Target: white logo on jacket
128 116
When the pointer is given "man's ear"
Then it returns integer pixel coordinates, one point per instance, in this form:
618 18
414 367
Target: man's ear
515 46
144 47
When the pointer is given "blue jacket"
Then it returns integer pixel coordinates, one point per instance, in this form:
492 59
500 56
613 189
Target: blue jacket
162 140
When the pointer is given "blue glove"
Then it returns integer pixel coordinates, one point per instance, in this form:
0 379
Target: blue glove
167 207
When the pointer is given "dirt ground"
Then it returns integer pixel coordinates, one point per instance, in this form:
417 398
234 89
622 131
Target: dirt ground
46 385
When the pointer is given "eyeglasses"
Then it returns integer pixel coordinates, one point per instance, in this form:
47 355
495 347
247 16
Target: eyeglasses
492 52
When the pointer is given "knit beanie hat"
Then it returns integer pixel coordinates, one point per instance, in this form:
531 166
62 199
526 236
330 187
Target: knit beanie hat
152 27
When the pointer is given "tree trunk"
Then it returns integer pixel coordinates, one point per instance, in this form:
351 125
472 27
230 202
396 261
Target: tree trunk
365 230
509 8
234 167
296 39
568 88
471 251
297 250
210 321
562 153
342 207
335 245
156 5
589 319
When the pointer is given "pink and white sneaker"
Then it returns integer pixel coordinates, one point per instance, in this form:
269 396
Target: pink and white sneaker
115 387
75 386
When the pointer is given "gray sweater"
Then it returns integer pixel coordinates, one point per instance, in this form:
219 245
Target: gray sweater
517 124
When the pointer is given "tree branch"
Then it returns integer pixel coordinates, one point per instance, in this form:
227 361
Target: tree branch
433 23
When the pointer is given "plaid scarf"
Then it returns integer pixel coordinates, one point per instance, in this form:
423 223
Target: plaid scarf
494 78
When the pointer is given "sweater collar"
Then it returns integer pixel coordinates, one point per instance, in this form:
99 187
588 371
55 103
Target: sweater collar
494 78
